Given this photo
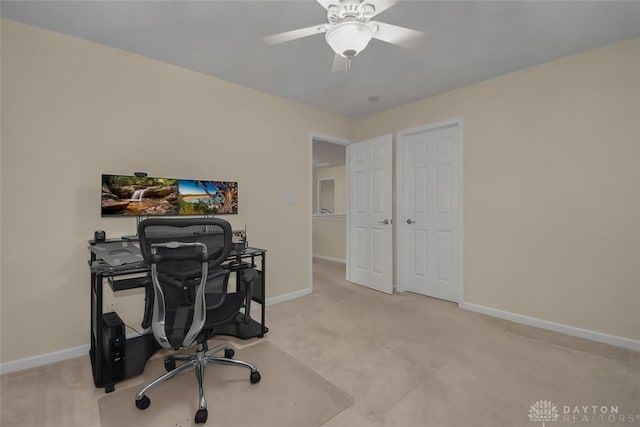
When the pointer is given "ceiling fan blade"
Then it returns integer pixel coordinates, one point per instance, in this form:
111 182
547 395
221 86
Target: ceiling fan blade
294 34
327 3
405 37
380 5
339 63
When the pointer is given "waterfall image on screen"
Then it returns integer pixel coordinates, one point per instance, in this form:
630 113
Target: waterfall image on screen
207 197
144 196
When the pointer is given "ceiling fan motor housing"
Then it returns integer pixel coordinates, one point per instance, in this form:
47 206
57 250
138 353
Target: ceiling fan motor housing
354 9
349 38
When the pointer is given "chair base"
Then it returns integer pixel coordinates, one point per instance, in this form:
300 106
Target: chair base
196 361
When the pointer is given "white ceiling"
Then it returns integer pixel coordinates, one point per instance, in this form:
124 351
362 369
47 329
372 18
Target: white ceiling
470 41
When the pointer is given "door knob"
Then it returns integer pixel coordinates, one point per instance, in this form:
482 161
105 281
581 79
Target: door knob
410 221
385 222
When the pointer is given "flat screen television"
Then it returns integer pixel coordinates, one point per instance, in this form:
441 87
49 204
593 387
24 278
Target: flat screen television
129 195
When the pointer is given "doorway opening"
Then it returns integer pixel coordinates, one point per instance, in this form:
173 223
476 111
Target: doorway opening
329 187
329 199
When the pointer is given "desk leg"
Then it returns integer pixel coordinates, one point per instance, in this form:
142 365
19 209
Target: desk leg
96 328
264 296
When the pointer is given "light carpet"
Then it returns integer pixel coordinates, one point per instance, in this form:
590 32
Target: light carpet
290 394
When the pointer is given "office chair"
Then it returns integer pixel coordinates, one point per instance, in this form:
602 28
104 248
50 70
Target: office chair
190 296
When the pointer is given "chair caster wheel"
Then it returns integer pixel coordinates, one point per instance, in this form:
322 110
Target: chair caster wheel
143 403
229 353
201 416
255 377
169 365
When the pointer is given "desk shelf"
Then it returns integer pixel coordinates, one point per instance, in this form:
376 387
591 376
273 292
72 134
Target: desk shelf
242 330
129 283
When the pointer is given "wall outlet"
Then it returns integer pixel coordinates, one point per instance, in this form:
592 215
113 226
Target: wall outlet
111 306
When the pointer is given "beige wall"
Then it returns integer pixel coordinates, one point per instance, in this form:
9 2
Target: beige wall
72 109
552 205
330 237
551 176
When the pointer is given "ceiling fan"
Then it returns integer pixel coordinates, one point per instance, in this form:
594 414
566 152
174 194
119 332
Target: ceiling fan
350 29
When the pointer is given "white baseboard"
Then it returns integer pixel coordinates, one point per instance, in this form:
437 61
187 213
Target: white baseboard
330 258
556 327
83 350
44 359
289 296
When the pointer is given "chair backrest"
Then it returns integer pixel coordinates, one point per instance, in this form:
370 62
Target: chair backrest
184 255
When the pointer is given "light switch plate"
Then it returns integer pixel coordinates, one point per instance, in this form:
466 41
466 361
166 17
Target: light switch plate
289 197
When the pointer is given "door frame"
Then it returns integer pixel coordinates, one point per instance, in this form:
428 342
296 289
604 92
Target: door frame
338 141
400 209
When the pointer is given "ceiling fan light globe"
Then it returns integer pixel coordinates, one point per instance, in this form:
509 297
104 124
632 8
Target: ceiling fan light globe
349 38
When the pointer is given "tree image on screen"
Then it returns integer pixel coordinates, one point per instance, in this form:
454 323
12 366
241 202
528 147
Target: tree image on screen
207 197
132 195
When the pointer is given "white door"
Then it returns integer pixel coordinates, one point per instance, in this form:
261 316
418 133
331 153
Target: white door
430 210
370 254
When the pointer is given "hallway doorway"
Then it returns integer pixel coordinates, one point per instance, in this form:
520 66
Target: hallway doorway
329 201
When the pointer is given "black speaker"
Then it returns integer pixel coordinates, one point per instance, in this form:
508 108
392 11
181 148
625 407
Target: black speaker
114 344
99 236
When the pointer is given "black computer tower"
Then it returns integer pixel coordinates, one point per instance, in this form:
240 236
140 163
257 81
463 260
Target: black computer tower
114 345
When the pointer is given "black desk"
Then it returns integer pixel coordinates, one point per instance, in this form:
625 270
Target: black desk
139 349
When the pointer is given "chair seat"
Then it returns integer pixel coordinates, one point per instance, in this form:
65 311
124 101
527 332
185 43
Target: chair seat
226 312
